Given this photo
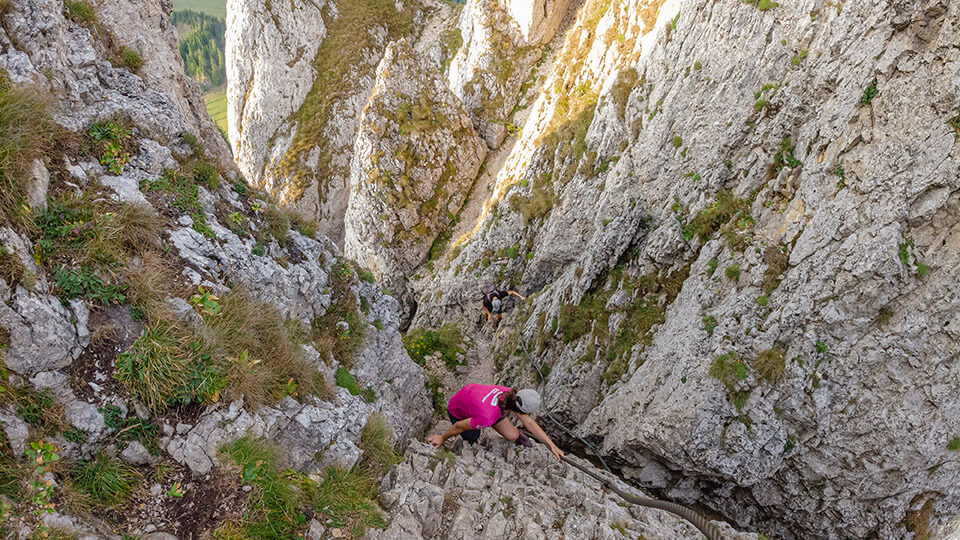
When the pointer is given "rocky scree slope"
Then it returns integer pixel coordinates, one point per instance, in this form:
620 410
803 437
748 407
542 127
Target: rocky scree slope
738 225
155 310
498 490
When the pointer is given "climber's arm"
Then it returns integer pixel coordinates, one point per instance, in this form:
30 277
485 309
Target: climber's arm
455 429
518 295
531 425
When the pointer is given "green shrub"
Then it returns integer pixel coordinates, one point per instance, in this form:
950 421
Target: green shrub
27 132
106 480
821 347
84 283
733 272
710 324
112 137
346 380
762 300
130 59
677 141
258 249
954 445
424 343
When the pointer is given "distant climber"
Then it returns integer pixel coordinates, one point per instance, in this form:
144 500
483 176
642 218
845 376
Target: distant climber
478 406
493 301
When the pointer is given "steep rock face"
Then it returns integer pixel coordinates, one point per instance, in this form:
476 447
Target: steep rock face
502 42
46 344
415 157
299 74
487 491
744 267
145 28
70 59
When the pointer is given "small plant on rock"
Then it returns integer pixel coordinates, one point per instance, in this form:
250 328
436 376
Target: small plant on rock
870 93
42 455
111 136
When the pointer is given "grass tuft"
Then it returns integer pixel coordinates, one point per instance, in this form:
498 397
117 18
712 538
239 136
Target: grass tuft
378 452
27 133
771 363
106 480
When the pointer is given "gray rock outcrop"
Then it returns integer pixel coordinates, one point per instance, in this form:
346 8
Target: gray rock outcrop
415 158
299 75
502 43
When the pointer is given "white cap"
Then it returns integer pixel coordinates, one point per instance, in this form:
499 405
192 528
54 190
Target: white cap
528 401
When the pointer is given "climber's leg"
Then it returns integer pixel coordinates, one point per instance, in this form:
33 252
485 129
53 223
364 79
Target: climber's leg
506 429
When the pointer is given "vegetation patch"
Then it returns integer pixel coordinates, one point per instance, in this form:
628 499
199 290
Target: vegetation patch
540 201
186 197
870 93
341 330
729 370
131 428
345 379
338 76
281 499
258 351
27 132
164 367
107 481
645 311
771 363
448 340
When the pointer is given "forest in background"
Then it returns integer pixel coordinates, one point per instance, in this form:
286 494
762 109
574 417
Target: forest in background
202 47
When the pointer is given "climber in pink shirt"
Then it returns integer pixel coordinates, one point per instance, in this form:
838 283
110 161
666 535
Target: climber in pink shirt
477 406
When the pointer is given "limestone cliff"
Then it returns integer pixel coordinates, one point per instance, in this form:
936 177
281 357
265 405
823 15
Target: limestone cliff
299 74
415 155
738 223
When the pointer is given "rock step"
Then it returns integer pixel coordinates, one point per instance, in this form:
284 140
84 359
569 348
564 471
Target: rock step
498 490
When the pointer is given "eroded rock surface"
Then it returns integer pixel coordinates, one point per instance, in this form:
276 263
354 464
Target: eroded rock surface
498 490
415 157
742 228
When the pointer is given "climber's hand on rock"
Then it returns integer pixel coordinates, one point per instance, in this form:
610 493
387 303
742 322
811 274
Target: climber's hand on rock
435 440
557 452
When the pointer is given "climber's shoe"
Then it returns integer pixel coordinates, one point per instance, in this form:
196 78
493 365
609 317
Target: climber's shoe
522 440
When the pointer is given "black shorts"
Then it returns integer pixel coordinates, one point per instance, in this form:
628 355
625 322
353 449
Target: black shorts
470 435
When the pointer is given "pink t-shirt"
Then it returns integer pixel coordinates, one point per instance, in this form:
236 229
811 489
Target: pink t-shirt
479 403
